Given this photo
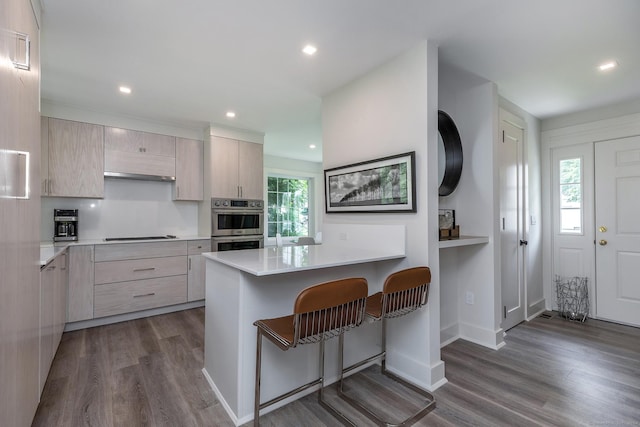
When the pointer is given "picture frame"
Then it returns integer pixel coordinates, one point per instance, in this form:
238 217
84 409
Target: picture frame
387 184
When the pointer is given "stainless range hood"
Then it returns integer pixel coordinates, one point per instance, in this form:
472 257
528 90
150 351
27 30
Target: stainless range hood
138 176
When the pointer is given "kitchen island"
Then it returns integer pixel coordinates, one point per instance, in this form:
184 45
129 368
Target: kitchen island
244 286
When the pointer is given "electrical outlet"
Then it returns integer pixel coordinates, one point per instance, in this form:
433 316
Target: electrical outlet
469 297
343 236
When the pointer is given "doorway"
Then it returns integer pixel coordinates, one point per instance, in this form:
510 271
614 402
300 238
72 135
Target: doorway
512 224
596 234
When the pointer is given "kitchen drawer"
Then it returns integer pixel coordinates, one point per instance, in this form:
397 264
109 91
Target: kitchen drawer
136 269
120 251
196 247
125 297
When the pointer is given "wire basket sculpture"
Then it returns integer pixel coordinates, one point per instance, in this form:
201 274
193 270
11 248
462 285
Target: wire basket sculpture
573 297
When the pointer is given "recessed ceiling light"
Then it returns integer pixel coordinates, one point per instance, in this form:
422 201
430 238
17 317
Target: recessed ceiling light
125 89
309 49
607 65
231 114
312 146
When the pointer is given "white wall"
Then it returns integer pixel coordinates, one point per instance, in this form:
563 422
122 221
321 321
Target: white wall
129 208
392 110
472 102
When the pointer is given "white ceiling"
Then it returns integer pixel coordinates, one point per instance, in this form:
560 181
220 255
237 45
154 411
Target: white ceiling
189 62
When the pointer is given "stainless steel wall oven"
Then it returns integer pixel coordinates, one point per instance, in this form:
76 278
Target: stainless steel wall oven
236 224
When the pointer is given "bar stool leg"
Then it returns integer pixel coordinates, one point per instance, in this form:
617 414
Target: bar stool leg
256 407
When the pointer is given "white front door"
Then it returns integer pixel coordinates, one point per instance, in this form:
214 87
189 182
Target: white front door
511 225
618 230
572 205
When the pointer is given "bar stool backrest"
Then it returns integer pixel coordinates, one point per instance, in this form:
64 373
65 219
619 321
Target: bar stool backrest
405 291
326 310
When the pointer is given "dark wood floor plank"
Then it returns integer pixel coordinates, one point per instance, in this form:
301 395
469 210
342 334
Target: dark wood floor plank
130 398
167 404
552 372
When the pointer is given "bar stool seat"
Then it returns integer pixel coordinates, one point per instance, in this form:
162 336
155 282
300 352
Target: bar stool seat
320 312
404 292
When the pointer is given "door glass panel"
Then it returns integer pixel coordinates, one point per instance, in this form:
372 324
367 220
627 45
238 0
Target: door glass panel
570 196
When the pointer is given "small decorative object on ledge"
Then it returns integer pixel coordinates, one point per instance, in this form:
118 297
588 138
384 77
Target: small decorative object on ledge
450 233
573 298
447 224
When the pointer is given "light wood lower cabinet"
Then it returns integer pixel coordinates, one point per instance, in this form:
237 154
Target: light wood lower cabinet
195 275
118 278
81 271
53 311
139 276
124 297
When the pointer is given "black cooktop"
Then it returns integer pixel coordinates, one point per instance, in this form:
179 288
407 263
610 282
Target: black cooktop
124 239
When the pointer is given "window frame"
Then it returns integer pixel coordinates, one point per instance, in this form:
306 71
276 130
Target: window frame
271 241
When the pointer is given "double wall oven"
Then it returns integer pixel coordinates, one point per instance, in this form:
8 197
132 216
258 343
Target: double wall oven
236 224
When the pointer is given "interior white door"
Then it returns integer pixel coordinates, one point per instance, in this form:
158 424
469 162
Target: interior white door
511 225
618 230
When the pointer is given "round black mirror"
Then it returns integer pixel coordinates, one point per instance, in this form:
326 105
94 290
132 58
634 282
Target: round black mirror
449 154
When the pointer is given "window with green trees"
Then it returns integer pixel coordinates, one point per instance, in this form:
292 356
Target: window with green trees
571 196
287 206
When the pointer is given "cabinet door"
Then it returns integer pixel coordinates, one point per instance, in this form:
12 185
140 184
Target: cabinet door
250 170
224 167
60 299
140 153
47 295
80 299
76 159
189 170
44 156
196 269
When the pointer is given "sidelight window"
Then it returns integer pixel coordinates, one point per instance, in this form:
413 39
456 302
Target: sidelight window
571 195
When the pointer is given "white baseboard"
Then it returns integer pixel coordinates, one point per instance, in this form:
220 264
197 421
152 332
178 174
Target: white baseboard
484 337
449 335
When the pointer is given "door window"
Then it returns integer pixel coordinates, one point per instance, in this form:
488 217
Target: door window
570 195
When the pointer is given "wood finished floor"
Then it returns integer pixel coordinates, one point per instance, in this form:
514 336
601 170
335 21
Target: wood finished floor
552 372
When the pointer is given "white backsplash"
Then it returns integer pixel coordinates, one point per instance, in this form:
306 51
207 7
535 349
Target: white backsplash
129 208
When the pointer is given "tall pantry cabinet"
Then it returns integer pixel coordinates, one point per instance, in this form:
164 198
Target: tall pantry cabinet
20 212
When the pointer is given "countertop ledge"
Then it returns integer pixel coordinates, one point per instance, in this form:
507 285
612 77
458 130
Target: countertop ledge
50 250
270 261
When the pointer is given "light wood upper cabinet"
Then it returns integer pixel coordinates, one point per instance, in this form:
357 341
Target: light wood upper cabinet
76 159
236 169
189 170
140 153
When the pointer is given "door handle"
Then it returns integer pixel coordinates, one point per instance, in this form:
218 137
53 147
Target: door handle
524 242
603 242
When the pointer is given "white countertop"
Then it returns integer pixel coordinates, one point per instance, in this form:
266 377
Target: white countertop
274 260
49 250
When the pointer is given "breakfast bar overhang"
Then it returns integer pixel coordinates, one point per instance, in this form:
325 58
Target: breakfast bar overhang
244 286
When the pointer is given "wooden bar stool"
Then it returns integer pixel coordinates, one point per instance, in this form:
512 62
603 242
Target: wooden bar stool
320 312
403 292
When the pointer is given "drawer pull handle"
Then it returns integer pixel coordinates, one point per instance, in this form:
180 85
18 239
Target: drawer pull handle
145 295
144 269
